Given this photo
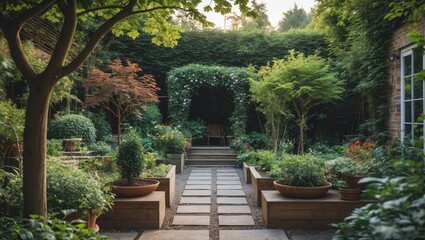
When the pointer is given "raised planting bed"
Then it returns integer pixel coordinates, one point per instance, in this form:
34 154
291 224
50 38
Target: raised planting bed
279 211
260 182
247 172
145 212
168 185
178 160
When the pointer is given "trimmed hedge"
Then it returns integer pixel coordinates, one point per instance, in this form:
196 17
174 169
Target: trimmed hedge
72 125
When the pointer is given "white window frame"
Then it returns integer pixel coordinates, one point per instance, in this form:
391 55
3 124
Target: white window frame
404 53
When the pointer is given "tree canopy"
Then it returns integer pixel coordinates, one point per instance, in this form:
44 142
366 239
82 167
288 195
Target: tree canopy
294 18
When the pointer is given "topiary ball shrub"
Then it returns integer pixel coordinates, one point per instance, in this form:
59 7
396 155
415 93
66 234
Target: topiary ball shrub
72 126
130 159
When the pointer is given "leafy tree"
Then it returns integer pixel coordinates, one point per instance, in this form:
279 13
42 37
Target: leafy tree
119 16
294 18
311 83
270 92
121 92
249 23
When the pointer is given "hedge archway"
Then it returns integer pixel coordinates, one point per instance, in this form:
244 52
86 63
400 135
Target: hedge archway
184 81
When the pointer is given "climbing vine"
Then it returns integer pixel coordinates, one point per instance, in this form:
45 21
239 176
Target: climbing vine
184 81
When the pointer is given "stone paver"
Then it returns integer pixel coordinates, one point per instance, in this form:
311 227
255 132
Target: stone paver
227 178
197 187
233 209
244 220
231 200
227 182
195 200
199 178
313 237
227 174
197 193
175 234
205 174
225 170
231 193
230 186
121 235
200 171
261 234
192 220
194 209
198 182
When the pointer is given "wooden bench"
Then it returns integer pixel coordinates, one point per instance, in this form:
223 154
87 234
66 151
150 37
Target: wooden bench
215 131
145 212
279 211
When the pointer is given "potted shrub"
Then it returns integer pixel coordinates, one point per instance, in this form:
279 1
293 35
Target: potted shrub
72 129
12 124
171 143
71 188
193 130
131 163
300 176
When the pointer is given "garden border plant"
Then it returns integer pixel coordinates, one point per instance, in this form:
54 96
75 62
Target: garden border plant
184 81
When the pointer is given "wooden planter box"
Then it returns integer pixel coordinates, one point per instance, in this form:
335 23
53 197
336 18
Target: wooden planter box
260 183
168 185
138 212
247 172
279 211
178 160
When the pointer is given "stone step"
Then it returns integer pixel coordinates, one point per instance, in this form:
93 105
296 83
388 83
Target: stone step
208 166
210 162
211 156
212 150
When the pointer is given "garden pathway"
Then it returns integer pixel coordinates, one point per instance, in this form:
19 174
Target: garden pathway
214 204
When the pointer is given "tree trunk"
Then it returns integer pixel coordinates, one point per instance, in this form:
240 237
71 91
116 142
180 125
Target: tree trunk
34 162
301 142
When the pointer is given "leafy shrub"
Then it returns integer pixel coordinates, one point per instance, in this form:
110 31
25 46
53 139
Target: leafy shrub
265 159
299 170
241 144
326 151
70 126
168 140
398 212
194 129
150 159
69 188
54 147
12 121
130 158
339 168
145 124
38 228
157 171
103 165
258 140
100 148
11 198
103 128
250 157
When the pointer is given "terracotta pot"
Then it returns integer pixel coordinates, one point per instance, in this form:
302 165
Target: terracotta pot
70 144
352 182
188 146
302 192
144 187
89 219
349 194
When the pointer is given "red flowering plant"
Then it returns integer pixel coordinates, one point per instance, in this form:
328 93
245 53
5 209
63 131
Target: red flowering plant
361 151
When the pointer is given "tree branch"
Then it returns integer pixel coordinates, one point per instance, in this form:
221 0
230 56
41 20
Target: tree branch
99 8
33 12
97 36
64 42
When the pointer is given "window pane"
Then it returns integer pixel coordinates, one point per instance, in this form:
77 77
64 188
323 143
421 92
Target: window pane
418 137
407 112
407 88
418 59
408 130
418 87
407 65
419 110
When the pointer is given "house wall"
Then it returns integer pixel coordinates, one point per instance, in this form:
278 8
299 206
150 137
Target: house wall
400 41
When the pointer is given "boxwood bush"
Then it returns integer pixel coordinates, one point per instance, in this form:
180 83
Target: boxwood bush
70 126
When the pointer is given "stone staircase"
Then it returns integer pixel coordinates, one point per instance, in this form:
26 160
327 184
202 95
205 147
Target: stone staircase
211 157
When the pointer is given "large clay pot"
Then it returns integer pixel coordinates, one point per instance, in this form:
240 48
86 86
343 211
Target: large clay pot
349 194
143 187
302 192
188 146
89 219
70 144
352 182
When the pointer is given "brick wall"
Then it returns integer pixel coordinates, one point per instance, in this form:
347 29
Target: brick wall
399 41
